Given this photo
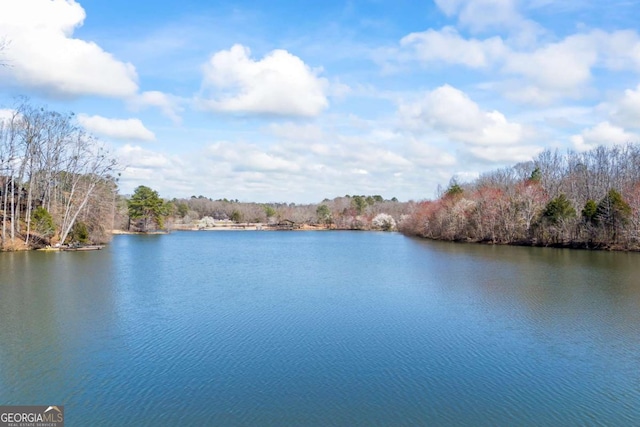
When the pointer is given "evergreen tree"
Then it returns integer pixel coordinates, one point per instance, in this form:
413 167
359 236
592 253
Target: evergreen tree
236 216
359 203
558 209
324 214
43 222
147 207
590 212
79 233
269 212
536 175
454 190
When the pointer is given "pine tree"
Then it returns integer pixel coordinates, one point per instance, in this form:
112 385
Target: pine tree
147 207
558 209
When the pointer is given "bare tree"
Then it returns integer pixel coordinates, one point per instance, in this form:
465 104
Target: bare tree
9 161
47 162
538 202
87 165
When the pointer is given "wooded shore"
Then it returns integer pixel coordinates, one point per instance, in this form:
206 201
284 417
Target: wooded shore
587 200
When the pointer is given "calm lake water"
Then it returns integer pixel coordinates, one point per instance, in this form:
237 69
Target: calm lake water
321 328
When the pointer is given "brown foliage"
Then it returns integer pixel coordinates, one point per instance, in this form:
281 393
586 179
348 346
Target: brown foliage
506 206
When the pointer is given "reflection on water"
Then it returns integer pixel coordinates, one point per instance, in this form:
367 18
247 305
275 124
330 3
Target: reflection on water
318 328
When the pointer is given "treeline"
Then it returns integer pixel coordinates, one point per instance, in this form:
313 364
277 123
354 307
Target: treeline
589 199
56 181
357 212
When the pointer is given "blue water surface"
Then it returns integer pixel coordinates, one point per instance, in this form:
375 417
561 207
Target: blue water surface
243 328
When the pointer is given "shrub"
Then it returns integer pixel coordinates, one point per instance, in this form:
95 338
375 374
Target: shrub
384 222
79 233
43 222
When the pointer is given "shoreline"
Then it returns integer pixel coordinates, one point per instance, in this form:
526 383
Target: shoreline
119 232
248 226
579 246
252 227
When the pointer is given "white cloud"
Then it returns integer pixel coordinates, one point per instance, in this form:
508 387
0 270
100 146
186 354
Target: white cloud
333 161
482 15
296 132
501 154
447 116
627 109
620 49
137 157
265 162
167 174
562 68
447 46
359 171
449 7
450 111
339 90
43 55
603 133
425 155
126 129
168 105
280 84
248 157
527 93
378 161
536 73
6 113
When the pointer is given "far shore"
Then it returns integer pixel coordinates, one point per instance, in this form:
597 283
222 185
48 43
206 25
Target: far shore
138 232
230 227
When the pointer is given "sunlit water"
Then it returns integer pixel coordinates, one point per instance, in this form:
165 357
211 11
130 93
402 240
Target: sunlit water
321 328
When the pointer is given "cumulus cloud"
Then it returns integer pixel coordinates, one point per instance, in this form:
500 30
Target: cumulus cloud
620 50
296 132
564 69
268 162
603 133
534 73
449 47
450 111
500 154
168 174
559 69
168 105
287 167
336 163
627 110
481 15
250 157
447 116
6 113
126 129
424 154
43 54
279 84
135 156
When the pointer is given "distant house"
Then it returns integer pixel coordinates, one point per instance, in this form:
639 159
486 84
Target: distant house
287 224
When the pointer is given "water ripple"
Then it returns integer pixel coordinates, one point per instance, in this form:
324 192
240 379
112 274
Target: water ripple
324 329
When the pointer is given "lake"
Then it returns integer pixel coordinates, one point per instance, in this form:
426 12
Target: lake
243 328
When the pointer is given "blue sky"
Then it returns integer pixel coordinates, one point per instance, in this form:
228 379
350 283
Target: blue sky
298 101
